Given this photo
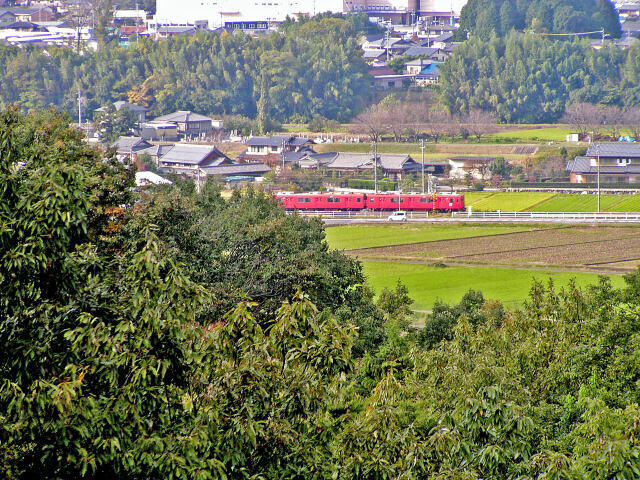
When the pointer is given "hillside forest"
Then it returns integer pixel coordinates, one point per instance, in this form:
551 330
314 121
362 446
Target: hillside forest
313 70
166 333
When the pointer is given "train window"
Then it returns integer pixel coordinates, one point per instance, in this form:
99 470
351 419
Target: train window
395 200
371 200
358 200
333 200
424 200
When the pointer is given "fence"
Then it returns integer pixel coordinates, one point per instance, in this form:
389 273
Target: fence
552 216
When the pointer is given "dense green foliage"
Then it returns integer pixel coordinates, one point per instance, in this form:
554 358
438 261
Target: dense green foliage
532 80
484 17
315 69
112 366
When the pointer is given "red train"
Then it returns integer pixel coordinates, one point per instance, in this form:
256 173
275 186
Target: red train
368 201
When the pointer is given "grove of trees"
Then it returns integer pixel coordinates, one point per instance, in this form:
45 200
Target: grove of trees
172 334
315 69
483 18
525 78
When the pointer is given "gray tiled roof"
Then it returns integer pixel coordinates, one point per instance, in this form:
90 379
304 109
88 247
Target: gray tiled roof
583 165
353 161
277 141
130 144
157 150
620 149
182 116
190 154
238 169
417 51
118 105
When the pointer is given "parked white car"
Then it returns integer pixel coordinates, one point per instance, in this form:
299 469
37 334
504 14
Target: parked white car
398 216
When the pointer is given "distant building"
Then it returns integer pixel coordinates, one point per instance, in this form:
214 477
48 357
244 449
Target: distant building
270 149
140 112
128 147
238 14
618 162
394 166
464 167
191 124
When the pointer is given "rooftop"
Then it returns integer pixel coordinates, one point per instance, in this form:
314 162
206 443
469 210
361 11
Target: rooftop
182 116
621 149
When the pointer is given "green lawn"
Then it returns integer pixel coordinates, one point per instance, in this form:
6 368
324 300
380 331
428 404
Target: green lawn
577 203
510 202
427 284
352 237
556 134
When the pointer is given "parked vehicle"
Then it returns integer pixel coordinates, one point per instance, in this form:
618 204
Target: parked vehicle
398 216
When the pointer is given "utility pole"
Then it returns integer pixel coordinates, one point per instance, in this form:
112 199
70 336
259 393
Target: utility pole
422 148
198 185
598 160
375 166
137 20
282 155
386 36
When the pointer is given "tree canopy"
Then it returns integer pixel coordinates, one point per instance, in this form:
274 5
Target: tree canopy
483 17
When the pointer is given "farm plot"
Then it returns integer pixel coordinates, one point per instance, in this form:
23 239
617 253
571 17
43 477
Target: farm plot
575 247
577 203
629 204
511 202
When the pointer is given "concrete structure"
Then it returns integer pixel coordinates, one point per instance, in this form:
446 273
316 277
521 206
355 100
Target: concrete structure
233 14
403 10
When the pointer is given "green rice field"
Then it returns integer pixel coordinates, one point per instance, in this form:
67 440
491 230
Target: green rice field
550 202
577 203
556 134
353 237
427 284
510 202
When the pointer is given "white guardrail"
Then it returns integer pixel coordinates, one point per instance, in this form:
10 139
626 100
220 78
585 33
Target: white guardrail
552 216
586 217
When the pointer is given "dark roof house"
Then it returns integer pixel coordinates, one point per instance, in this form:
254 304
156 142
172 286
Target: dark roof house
616 162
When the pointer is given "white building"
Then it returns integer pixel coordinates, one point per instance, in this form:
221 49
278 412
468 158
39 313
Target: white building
248 14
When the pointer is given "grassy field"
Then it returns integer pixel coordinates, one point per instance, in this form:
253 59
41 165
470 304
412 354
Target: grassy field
352 237
511 202
546 134
427 284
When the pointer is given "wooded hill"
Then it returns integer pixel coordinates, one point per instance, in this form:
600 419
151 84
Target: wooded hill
119 363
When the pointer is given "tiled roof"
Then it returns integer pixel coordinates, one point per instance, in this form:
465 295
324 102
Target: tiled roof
130 144
354 161
190 154
277 141
417 51
583 165
238 169
182 116
620 149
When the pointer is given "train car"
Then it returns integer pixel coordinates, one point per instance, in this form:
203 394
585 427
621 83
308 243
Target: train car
379 201
320 201
415 202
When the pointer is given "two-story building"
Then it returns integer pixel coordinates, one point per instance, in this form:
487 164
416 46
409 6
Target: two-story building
191 124
270 149
616 162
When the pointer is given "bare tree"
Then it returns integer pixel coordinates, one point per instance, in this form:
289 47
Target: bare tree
631 120
479 122
415 115
373 121
396 118
584 118
437 122
612 119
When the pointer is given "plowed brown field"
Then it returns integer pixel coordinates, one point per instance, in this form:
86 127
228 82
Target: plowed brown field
592 248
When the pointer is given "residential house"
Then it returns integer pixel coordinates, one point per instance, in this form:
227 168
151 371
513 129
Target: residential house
30 14
128 147
628 10
237 171
271 149
617 163
442 41
394 166
429 75
191 124
631 28
7 18
476 168
140 112
159 131
184 158
155 152
432 53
